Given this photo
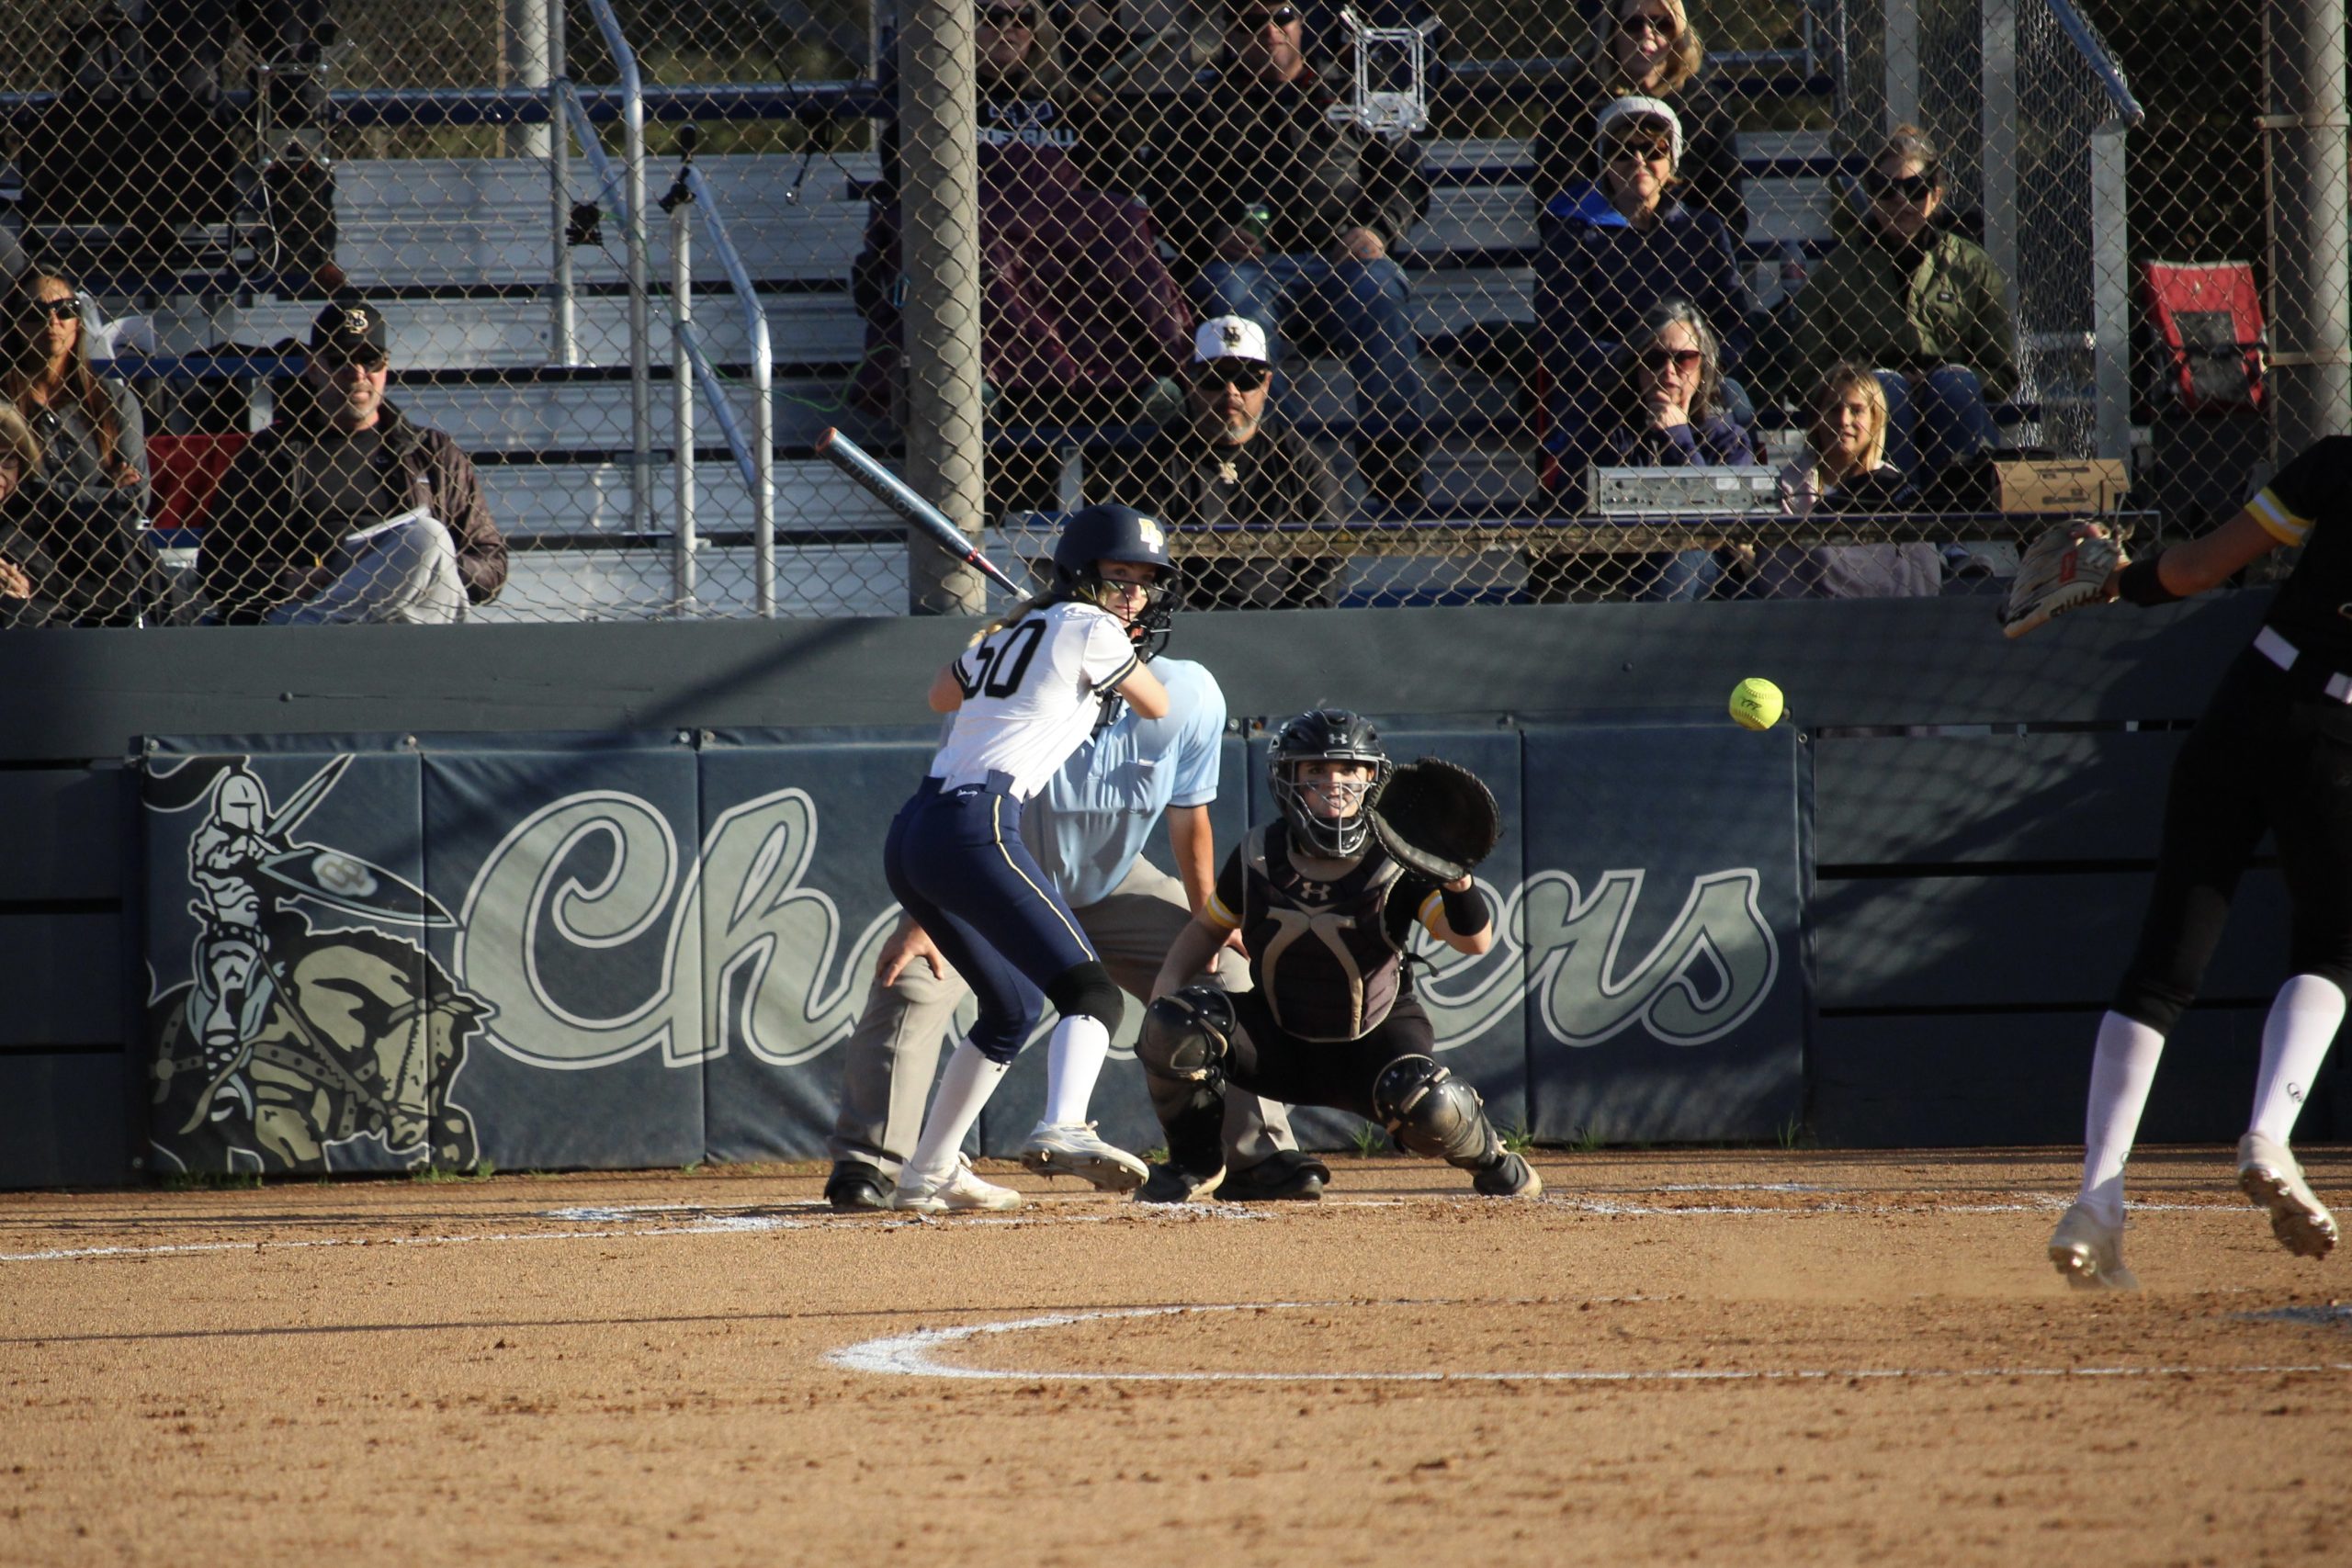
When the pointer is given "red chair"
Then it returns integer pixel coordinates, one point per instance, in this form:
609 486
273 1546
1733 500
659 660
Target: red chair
2210 318
185 470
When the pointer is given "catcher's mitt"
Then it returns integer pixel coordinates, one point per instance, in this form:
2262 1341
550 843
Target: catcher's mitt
2063 570
1436 817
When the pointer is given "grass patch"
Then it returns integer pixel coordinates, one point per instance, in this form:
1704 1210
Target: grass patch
1585 1141
211 1180
1370 1140
1517 1138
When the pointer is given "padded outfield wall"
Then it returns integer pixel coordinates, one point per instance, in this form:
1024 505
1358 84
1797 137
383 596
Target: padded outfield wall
605 895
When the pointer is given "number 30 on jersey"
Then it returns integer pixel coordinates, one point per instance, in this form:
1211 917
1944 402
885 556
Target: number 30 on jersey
1002 660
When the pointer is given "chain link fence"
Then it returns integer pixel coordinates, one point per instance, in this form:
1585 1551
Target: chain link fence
1407 301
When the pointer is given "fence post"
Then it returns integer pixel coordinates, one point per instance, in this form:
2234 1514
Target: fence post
681 405
563 326
940 246
2110 293
529 34
1998 167
1902 64
2311 222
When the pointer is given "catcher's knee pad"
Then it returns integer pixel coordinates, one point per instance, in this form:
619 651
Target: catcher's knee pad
1430 1111
1187 1034
1088 988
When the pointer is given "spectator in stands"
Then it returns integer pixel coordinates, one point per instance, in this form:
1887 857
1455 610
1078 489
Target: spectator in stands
1925 306
1846 470
1231 464
82 511
1080 318
1283 215
1642 48
1663 403
344 511
19 459
1632 247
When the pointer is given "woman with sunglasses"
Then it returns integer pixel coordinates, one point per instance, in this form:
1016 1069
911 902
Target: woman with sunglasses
82 511
1661 406
1080 318
1634 247
1923 305
1642 49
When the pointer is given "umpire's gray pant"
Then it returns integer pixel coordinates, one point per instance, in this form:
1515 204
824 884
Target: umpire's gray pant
893 1055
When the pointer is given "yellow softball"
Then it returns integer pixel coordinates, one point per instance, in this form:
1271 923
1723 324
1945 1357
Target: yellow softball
1757 704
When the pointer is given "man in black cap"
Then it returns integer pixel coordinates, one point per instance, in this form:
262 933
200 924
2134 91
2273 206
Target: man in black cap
343 511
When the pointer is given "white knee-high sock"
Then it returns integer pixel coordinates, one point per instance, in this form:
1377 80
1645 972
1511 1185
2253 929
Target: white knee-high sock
2295 1038
964 1088
1074 1056
2122 1066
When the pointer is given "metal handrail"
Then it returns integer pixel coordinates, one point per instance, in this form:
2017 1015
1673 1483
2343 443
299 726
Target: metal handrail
564 100
758 465
2093 48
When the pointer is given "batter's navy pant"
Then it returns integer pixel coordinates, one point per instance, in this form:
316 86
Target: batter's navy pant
955 861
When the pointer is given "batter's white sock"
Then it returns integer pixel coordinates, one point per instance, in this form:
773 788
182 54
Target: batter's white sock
2295 1038
2122 1066
1074 1057
964 1088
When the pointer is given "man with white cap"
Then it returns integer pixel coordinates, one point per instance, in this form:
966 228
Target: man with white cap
1230 465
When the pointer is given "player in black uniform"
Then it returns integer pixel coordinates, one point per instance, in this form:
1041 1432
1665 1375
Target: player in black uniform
1325 915
2273 752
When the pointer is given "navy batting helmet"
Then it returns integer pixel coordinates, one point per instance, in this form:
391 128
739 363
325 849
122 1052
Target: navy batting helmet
1096 534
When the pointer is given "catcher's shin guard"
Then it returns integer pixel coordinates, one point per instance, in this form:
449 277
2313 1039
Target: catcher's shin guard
1430 1111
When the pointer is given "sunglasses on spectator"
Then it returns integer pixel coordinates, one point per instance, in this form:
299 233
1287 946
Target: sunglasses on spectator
1010 17
331 361
1642 152
1913 188
66 310
1247 374
1257 20
1642 22
1665 359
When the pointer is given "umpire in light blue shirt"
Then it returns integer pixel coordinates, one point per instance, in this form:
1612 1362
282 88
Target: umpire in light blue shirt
1087 828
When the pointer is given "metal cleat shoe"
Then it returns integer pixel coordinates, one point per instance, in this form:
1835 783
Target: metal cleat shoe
2090 1252
2268 1174
961 1188
1071 1148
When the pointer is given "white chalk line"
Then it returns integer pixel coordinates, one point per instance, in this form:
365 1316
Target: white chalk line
618 1221
915 1354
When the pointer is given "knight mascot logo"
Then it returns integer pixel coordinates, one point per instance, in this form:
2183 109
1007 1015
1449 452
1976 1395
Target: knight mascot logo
290 1042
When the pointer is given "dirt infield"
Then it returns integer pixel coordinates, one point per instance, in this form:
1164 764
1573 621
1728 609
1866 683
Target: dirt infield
1707 1356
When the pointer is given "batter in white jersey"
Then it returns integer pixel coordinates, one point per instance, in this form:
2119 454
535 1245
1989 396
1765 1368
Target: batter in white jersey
1025 695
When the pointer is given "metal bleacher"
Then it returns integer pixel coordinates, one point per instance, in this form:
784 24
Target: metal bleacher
458 251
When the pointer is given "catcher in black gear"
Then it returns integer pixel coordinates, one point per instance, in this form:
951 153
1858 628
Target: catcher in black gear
1324 912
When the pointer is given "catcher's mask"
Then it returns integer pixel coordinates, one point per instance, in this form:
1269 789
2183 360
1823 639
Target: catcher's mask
1325 735
1096 534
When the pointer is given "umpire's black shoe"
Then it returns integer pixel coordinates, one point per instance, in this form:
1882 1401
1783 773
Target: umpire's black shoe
1172 1183
1287 1176
856 1188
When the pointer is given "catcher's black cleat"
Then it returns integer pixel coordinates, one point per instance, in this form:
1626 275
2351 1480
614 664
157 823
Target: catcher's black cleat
856 1188
1288 1177
1510 1176
1172 1183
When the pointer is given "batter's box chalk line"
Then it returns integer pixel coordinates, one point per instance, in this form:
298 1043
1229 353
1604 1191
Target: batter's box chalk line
917 1354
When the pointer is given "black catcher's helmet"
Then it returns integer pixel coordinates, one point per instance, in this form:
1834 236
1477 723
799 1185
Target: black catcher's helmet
1329 735
1097 534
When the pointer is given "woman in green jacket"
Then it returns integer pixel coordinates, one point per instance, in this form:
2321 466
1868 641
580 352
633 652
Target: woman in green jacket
1924 306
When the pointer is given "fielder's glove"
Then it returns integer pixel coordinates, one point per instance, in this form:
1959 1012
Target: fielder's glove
1436 817
2063 570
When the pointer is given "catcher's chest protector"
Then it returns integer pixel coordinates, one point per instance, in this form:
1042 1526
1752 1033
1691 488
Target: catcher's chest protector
1321 951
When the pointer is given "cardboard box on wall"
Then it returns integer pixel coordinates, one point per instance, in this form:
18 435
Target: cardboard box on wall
2058 484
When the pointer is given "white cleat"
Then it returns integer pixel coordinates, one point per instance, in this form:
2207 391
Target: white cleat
2268 1174
2090 1252
961 1188
1071 1148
